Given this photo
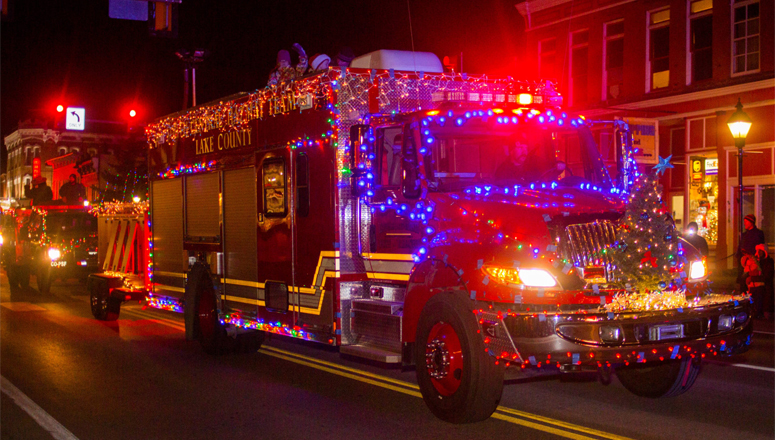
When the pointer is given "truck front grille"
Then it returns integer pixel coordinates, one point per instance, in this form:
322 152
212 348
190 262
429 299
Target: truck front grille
589 244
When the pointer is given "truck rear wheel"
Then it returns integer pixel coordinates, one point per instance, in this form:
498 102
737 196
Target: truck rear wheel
667 379
18 276
208 328
103 307
459 381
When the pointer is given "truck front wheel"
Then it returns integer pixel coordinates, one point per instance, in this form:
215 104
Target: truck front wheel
664 380
459 381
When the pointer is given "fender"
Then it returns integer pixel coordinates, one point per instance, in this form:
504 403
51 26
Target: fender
428 279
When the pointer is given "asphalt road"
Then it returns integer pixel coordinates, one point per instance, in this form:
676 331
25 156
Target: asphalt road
68 376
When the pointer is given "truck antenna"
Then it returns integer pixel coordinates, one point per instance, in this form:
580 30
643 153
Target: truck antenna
411 34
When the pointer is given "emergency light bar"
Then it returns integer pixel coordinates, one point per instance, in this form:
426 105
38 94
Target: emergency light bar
457 97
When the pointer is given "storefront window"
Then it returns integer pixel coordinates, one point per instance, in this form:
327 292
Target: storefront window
703 196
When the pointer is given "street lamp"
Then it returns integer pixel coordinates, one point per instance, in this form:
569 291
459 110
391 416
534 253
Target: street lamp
190 60
739 124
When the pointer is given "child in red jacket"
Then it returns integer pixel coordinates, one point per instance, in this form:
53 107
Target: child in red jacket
755 282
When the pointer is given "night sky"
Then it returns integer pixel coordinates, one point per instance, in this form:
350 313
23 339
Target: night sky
71 52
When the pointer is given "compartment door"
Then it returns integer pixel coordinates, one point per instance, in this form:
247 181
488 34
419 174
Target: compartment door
239 241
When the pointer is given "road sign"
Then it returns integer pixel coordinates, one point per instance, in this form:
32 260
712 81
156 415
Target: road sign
75 118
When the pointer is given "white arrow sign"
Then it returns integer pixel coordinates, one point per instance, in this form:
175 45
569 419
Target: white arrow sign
75 118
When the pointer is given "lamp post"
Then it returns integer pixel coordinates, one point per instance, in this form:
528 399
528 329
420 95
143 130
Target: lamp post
190 60
739 124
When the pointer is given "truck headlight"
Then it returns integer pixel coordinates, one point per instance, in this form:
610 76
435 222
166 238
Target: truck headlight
697 270
54 254
526 277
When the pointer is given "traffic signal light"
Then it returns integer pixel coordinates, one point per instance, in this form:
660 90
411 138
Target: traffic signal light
132 113
60 108
163 18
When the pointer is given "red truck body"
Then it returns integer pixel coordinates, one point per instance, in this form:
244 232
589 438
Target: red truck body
360 209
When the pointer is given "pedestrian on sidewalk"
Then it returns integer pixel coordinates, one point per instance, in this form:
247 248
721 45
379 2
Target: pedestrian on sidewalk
751 237
694 238
767 266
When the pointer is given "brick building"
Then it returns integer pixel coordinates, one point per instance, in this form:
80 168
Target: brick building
677 68
62 152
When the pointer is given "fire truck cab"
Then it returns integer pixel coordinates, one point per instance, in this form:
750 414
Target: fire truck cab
457 223
50 242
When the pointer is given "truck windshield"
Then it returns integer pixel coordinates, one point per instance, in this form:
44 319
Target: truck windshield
512 155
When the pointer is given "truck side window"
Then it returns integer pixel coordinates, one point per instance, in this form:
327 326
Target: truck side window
390 140
411 174
273 181
302 185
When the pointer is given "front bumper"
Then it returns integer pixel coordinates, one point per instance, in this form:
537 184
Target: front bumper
576 340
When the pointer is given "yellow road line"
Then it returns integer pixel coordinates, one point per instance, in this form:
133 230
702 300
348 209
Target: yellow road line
539 427
342 367
165 321
545 424
343 374
512 415
562 424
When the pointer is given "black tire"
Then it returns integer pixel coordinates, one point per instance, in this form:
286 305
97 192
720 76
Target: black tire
12 270
103 307
667 379
23 277
44 278
466 385
206 323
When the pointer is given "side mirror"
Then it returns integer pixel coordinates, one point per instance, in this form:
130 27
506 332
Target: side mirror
362 158
410 177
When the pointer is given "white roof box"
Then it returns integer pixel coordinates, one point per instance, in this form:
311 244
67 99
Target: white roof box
399 60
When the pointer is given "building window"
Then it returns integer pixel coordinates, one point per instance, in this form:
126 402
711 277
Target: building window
62 151
75 150
659 49
579 68
613 53
547 59
745 37
700 40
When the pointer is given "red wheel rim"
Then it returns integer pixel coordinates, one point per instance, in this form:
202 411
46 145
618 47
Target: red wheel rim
444 359
207 316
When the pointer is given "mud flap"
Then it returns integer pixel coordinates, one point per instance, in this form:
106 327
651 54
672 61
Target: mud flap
190 298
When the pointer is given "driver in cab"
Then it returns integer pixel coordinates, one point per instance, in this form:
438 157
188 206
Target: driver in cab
514 170
523 166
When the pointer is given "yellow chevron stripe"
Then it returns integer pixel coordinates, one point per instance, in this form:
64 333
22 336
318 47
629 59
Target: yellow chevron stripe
169 288
387 276
243 283
170 274
389 257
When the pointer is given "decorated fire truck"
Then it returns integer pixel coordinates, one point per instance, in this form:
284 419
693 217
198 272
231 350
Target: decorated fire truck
367 209
49 241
